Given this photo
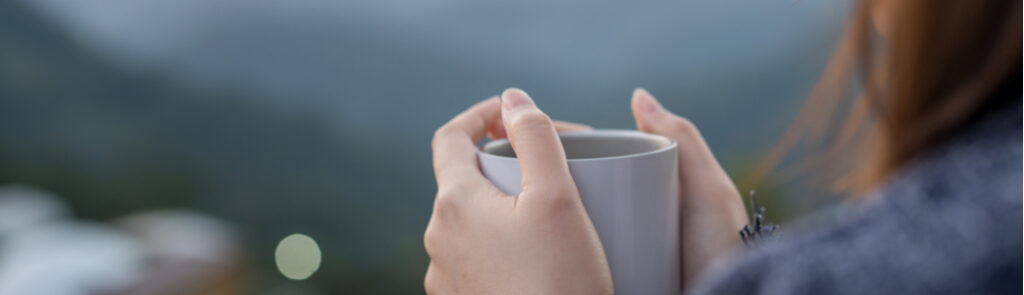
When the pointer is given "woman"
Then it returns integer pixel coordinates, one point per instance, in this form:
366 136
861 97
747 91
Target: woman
936 155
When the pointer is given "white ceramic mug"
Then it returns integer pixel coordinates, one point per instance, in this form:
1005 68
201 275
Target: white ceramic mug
629 184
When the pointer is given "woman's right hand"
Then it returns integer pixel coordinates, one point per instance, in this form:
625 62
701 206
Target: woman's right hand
711 212
481 241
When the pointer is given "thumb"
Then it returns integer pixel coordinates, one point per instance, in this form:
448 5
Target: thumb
536 144
651 117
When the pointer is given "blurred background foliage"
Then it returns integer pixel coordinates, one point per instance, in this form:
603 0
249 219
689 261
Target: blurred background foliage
315 116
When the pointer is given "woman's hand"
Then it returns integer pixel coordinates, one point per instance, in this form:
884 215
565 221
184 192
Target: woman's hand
481 241
711 212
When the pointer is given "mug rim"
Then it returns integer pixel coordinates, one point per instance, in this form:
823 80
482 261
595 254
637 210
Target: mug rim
672 144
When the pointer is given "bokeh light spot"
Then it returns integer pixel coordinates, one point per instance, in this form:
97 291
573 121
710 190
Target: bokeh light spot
297 256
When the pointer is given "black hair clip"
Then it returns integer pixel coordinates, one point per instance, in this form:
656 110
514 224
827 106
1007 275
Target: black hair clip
761 231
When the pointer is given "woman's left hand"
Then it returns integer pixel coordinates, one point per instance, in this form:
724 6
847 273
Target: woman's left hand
481 241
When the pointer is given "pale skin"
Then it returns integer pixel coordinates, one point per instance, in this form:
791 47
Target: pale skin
481 241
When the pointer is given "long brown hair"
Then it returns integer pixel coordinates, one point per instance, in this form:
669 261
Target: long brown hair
886 98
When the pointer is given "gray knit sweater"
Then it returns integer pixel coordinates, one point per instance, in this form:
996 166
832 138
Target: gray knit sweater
949 223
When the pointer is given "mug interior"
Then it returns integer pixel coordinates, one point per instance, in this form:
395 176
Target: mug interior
593 144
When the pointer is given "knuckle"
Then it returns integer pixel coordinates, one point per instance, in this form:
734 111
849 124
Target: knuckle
565 200
444 205
562 200
559 205
430 240
441 133
682 126
443 170
532 120
447 203
430 282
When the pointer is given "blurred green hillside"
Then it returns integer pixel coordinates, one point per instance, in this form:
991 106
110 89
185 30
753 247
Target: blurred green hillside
113 142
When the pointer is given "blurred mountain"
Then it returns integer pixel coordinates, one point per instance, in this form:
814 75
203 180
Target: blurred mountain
360 64
114 142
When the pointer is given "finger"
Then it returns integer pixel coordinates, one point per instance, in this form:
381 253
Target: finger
651 117
535 142
563 126
454 144
498 130
436 282
697 165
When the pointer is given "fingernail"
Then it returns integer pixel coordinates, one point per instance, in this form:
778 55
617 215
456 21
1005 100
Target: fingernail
647 102
513 98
